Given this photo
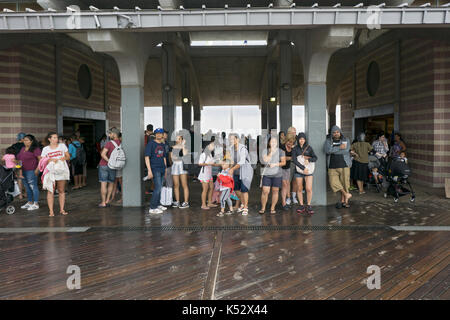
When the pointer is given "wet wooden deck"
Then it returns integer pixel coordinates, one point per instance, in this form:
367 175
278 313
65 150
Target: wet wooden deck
127 254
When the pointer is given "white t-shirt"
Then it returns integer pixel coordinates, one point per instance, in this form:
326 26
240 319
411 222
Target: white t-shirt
57 153
206 171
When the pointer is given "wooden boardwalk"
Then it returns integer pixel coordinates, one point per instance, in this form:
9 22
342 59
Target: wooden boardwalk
127 254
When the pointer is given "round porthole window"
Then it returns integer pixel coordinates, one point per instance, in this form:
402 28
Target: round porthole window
84 79
373 78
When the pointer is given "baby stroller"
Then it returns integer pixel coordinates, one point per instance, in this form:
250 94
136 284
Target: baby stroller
7 190
377 167
399 186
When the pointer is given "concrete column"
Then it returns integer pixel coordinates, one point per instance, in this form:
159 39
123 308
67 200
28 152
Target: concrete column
58 90
131 53
272 93
285 85
264 104
168 87
133 144
186 106
316 47
196 107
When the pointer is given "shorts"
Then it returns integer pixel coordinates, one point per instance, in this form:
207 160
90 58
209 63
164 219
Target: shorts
106 174
177 168
301 175
287 174
206 181
119 173
77 169
271 181
238 185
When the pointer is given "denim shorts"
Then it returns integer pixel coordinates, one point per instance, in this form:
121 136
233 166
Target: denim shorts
238 185
106 174
271 182
301 175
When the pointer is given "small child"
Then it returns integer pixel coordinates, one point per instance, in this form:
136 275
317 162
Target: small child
403 156
11 163
226 184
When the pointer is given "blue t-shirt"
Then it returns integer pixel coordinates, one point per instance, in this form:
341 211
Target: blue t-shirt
156 152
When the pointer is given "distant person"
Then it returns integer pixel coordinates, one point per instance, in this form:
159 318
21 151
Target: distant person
118 182
30 154
179 175
57 153
282 137
360 151
242 172
17 147
155 161
84 177
273 159
304 149
337 148
77 158
106 175
206 162
288 172
149 135
398 146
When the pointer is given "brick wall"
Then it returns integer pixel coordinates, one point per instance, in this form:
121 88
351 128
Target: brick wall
424 113
28 94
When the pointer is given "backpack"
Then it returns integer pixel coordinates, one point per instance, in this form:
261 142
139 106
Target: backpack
117 159
80 158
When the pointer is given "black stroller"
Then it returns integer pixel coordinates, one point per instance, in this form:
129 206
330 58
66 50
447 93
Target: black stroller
7 190
397 177
381 172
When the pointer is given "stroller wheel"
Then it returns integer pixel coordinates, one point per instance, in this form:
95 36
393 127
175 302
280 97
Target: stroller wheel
412 199
10 210
395 200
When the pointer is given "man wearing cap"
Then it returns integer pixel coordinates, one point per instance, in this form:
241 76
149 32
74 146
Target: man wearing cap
106 175
156 163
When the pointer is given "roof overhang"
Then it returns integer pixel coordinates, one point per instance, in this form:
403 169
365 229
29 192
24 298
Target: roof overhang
225 19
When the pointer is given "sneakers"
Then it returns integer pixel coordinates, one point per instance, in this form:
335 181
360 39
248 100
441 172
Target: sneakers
162 208
32 207
301 209
175 204
294 201
288 201
184 205
155 211
286 207
229 212
220 214
309 210
26 205
245 211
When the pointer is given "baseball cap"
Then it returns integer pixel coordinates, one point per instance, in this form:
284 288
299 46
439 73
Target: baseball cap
159 130
20 136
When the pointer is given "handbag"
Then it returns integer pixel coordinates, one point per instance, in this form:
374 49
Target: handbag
166 196
310 166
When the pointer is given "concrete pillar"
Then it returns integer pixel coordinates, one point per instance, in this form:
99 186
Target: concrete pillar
133 144
186 106
285 85
58 90
131 53
264 114
272 93
196 107
168 87
316 47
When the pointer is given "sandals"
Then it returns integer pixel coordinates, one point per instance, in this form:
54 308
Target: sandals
211 205
345 205
245 211
205 208
261 211
64 213
273 211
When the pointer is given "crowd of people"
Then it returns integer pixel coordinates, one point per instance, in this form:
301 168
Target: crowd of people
225 168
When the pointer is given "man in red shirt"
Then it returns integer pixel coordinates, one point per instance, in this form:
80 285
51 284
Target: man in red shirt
106 175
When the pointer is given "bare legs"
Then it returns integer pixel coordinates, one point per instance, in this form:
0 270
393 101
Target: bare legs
60 185
106 191
176 187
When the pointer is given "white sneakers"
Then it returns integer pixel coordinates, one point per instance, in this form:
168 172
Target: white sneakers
26 205
184 205
30 206
162 208
155 211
